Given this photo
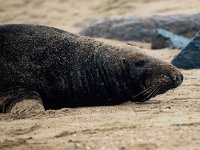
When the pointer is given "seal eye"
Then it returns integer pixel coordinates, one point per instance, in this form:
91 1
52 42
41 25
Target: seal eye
140 63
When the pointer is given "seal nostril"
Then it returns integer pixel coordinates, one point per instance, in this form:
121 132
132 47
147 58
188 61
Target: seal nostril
177 79
181 76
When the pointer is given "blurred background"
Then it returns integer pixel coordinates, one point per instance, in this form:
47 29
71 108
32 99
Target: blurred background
73 15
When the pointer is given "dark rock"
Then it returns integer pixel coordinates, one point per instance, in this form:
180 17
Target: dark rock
164 39
132 28
189 57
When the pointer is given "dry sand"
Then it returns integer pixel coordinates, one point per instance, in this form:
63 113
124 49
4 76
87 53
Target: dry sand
168 121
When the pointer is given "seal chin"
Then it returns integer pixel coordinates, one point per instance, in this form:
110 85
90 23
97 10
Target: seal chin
158 86
146 94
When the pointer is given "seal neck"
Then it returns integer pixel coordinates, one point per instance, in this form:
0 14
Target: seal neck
114 78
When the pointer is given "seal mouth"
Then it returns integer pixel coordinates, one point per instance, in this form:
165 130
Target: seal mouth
152 90
148 93
157 88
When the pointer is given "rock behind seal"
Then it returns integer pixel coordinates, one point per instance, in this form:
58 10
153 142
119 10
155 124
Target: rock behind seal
188 58
165 39
142 29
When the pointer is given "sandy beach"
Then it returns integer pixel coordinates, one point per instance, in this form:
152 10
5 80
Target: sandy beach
168 121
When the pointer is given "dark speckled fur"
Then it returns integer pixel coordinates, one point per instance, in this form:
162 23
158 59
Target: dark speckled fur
66 70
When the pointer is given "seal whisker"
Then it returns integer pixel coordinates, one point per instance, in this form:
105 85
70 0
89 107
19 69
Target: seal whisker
145 92
155 92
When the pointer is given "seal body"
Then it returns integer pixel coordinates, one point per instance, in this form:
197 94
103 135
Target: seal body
60 69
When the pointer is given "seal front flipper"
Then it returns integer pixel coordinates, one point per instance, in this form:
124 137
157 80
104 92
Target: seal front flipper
21 102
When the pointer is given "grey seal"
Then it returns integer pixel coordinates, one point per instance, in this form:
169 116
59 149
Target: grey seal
47 68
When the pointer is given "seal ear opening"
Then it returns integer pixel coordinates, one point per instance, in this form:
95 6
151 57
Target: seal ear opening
140 63
125 63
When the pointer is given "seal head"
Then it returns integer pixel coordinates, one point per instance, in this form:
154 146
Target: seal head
155 77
